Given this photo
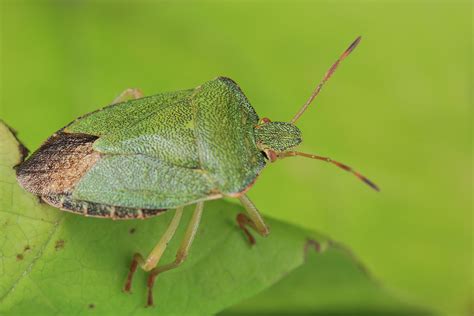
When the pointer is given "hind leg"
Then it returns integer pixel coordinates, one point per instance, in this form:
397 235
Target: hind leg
130 93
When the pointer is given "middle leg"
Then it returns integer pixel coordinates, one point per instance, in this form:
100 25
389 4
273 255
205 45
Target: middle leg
155 255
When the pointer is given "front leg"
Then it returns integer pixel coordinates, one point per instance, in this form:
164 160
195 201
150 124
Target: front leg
253 219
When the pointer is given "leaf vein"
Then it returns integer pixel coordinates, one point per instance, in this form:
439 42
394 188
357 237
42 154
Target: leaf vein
28 269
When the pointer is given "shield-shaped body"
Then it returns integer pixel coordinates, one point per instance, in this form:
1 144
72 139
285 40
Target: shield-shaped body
137 158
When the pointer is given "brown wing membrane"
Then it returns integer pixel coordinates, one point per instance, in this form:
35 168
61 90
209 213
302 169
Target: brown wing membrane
58 164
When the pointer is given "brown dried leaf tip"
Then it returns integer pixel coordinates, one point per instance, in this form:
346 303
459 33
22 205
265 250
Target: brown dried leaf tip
23 150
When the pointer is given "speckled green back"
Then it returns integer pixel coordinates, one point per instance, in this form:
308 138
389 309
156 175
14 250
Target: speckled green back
224 129
172 149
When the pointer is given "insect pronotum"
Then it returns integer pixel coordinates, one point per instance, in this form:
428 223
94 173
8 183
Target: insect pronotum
141 156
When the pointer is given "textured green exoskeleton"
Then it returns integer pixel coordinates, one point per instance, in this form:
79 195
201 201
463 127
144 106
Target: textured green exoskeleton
138 158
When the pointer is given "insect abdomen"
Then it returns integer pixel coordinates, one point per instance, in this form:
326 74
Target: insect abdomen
67 203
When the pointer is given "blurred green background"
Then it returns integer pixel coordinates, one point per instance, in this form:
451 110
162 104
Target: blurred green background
398 109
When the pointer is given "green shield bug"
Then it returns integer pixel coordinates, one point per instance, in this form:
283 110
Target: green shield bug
141 156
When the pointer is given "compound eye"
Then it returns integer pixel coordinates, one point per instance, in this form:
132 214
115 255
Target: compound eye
271 155
264 120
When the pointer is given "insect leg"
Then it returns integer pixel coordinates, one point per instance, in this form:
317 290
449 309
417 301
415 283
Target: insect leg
137 260
253 219
130 93
182 251
156 253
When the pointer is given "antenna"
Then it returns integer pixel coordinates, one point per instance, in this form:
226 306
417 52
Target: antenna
326 78
327 159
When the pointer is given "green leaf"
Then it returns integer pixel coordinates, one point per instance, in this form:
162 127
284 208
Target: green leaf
331 283
56 262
